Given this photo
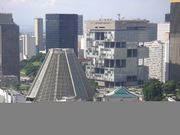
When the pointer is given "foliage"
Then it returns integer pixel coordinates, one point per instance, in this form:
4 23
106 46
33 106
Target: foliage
169 87
152 91
93 84
31 67
20 87
178 94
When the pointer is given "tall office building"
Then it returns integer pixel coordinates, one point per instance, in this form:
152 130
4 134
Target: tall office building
38 33
174 73
167 17
9 46
153 60
80 25
27 46
62 31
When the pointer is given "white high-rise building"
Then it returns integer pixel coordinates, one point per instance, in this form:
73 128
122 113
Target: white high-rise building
163 32
27 46
163 36
155 61
38 33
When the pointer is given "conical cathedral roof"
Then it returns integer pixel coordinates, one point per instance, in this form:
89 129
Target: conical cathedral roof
60 78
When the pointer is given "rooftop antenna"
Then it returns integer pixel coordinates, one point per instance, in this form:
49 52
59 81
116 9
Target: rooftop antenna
119 16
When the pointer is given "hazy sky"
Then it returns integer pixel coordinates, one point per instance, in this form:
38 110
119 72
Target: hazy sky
25 10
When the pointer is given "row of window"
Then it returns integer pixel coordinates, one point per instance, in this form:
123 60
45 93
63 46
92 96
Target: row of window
132 53
99 36
132 78
99 70
115 44
117 84
115 63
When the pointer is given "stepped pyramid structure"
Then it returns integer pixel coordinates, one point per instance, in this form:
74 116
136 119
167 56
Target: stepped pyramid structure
61 78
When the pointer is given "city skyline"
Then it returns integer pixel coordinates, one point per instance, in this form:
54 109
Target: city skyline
136 9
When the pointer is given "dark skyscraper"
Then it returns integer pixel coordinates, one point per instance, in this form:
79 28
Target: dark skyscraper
62 31
167 17
175 41
80 25
9 46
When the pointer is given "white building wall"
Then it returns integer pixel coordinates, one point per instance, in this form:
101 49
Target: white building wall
155 61
163 32
163 36
38 33
27 46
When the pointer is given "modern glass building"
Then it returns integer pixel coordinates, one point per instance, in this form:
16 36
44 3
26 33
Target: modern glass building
9 46
62 31
174 73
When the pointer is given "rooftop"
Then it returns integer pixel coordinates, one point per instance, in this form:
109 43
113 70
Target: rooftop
61 77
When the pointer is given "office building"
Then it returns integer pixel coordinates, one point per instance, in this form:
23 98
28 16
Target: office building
38 33
163 36
174 72
163 32
6 18
11 96
167 18
27 46
113 47
9 46
62 31
153 60
61 78
80 25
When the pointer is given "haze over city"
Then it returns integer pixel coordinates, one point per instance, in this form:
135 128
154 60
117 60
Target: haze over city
25 10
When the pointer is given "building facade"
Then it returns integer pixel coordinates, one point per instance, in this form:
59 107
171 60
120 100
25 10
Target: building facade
62 31
113 48
80 25
163 32
163 36
9 47
152 60
174 72
38 33
27 46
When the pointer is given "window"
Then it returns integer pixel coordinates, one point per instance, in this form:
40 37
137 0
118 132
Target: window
99 36
106 63
109 63
131 78
112 63
99 70
121 45
112 44
120 63
132 53
106 44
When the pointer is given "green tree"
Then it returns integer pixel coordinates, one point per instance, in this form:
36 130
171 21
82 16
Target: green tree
94 84
31 67
169 87
152 91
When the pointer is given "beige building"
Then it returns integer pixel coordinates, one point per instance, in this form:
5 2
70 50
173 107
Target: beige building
27 46
38 33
